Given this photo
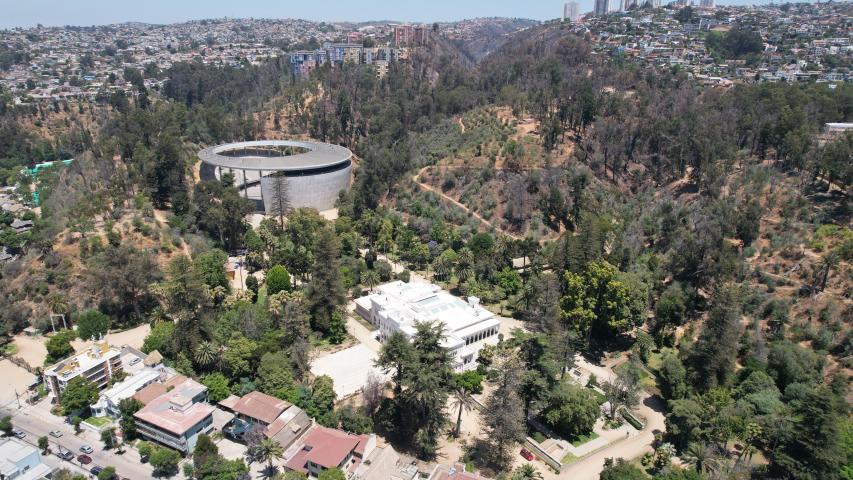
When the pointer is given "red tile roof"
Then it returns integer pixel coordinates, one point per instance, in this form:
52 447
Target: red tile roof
326 447
260 406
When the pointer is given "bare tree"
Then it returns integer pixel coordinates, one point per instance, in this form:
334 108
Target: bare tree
372 394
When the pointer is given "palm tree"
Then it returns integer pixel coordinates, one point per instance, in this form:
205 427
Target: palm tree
461 400
206 353
526 472
440 267
701 456
370 279
270 450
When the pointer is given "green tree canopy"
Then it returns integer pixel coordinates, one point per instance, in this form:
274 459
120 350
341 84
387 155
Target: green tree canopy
92 324
278 280
572 410
79 394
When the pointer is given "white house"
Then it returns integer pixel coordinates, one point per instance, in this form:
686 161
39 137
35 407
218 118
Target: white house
20 461
398 306
108 402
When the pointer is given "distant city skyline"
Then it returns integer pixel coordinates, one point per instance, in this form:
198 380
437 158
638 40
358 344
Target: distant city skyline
101 12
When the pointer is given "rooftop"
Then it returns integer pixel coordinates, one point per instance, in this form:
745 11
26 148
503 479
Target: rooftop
410 303
174 411
92 356
257 405
326 447
154 390
318 155
130 385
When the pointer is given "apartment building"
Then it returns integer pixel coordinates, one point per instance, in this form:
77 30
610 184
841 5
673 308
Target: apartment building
98 364
175 413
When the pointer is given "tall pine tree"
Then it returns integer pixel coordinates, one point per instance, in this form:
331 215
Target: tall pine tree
326 291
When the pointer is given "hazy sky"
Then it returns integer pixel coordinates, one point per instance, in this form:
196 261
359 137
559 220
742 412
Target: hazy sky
27 13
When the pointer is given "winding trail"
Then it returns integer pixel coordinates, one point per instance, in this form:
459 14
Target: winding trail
449 199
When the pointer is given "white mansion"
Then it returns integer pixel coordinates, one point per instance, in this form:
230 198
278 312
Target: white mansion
398 306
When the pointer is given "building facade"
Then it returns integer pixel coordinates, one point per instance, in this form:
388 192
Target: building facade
19 461
327 448
176 417
98 364
278 419
110 398
602 7
399 307
571 11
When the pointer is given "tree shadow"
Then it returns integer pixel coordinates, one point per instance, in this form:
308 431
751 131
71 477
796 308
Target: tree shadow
269 471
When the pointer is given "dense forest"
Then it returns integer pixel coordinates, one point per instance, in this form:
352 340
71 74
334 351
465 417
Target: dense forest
703 233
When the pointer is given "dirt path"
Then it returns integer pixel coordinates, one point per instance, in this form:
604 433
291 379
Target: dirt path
447 198
160 216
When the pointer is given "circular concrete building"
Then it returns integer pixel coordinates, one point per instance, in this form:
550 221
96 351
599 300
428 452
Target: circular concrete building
315 172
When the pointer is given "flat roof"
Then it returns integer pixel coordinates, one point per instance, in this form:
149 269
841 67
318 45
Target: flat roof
319 155
172 411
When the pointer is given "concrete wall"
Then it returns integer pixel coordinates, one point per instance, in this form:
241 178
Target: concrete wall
312 191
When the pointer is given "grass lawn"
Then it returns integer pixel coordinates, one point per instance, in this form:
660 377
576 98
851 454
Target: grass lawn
99 422
656 357
358 318
581 439
599 397
568 458
646 380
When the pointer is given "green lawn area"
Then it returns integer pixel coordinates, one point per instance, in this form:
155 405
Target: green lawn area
646 380
656 357
569 458
581 439
599 397
98 422
537 435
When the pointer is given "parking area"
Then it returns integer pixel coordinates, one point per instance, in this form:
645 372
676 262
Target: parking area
349 369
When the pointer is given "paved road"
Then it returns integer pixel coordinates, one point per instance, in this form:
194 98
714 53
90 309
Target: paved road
33 420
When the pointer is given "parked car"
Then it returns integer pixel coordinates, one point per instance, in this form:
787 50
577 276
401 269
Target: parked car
86 449
526 454
84 459
66 455
135 361
96 470
55 433
18 433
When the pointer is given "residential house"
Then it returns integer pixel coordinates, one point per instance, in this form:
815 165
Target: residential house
22 226
108 402
278 419
326 448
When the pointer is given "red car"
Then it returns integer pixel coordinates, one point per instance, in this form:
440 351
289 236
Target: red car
526 454
84 459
